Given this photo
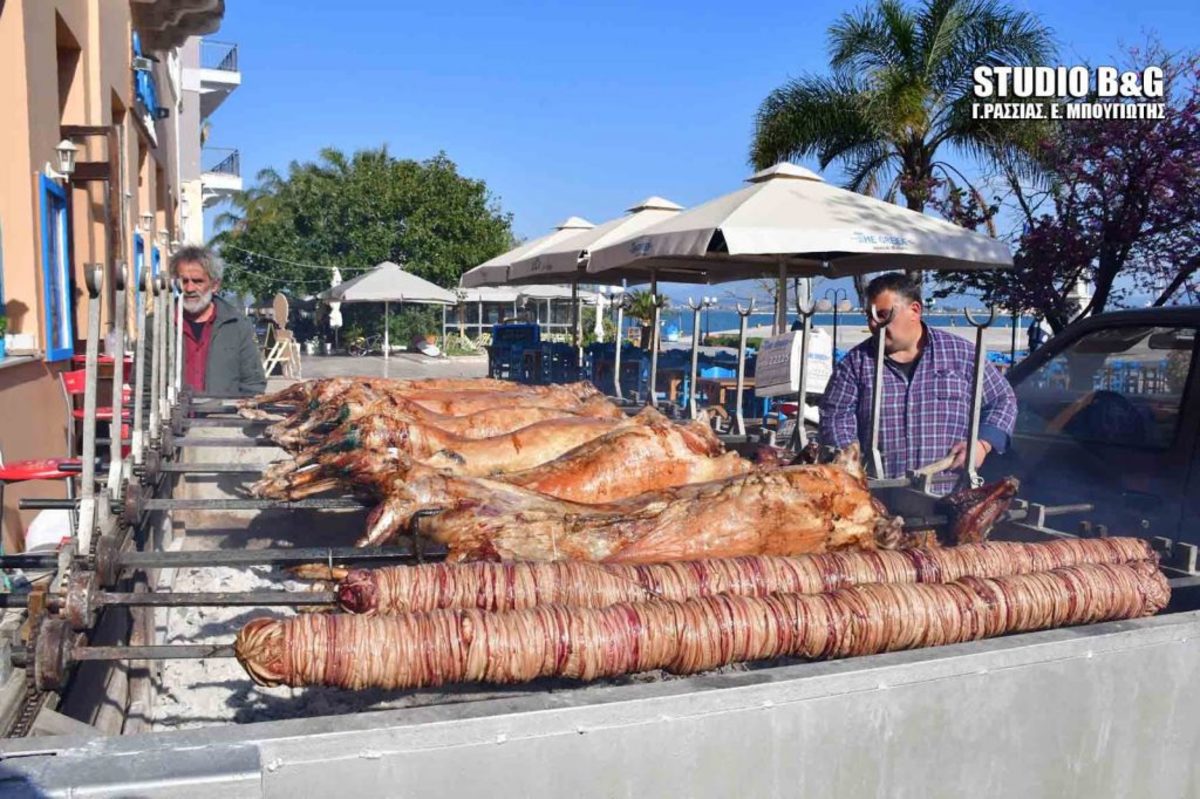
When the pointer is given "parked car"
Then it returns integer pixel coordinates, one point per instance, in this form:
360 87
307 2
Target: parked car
1109 414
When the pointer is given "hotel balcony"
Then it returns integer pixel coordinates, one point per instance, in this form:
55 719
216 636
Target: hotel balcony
221 175
218 74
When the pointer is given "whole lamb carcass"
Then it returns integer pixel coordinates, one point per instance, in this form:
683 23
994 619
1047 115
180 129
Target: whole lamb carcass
626 461
311 427
521 449
786 511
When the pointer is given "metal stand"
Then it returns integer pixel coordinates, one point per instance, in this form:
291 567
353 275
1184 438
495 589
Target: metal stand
1012 352
622 306
875 457
139 371
744 313
695 355
94 278
805 311
157 339
116 461
658 306
971 475
838 296
177 351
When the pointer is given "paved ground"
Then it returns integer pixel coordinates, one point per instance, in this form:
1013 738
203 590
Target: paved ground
401 365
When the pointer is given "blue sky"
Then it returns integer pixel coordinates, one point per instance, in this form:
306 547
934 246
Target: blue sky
574 108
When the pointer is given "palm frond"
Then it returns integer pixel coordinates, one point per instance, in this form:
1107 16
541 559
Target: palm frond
806 117
860 43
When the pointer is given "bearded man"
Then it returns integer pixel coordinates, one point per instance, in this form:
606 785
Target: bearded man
927 379
220 353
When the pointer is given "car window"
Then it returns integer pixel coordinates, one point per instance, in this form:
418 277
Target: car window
1121 385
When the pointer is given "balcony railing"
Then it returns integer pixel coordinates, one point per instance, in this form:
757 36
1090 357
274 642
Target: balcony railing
218 55
221 161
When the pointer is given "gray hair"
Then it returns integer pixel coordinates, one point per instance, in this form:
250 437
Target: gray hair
205 258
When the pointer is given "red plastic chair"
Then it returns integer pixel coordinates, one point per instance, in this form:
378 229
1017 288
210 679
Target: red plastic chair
74 384
37 469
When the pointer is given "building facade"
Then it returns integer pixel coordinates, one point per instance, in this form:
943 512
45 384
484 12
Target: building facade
106 78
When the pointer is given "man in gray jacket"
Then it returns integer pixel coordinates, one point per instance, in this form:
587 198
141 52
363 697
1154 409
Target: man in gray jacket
221 357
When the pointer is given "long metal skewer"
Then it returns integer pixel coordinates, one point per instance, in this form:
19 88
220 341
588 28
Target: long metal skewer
805 311
875 457
695 355
971 474
743 321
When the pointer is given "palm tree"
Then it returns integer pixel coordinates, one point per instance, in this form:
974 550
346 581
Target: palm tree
899 96
641 308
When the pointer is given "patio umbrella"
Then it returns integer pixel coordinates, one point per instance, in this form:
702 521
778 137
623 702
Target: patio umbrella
388 283
494 271
789 219
565 261
790 222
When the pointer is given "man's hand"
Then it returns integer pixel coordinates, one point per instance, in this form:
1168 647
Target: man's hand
959 451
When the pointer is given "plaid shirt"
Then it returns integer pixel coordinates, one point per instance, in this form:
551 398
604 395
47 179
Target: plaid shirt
922 417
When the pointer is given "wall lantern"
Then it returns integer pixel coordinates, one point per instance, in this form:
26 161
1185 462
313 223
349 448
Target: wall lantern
65 152
147 221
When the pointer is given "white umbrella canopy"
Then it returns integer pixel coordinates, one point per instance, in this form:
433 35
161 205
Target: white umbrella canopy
494 272
540 292
566 259
790 217
387 283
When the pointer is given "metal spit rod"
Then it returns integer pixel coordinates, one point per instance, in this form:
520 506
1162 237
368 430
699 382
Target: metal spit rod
234 503
209 599
658 303
743 321
163 652
216 503
231 558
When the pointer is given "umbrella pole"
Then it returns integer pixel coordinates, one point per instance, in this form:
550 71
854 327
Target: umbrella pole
654 298
576 339
617 342
781 300
387 344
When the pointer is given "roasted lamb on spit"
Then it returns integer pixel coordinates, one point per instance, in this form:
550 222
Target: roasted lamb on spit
783 512
376 436
306 427
314 393
628 460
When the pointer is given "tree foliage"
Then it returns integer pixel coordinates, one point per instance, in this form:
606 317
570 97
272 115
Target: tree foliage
354 211
899 95
641 308
1118 207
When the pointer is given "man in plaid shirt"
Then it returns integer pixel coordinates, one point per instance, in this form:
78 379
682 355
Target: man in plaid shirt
927 379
